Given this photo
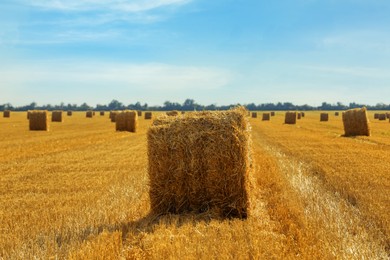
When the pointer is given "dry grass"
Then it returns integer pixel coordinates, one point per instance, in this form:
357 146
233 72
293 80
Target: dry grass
81 191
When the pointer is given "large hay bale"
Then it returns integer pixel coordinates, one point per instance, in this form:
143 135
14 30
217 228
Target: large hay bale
254 114
336 113
127 121
299 115
69 113
89 114
173 113
102 113
139 112
290 118
266 117
324 117
382 117
148 115
272 113
200 161
7 113
56 116
356 122
39 120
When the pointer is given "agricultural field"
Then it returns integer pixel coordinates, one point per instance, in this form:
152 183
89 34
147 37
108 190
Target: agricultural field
80 191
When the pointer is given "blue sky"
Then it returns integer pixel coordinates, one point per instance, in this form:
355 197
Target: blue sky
220 51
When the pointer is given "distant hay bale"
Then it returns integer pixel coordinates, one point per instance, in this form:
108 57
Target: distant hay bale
336 113
183 112
28 114
356 122
113 115
388 115
303 114
266 117
139 113
89 114
102 113
39 120
148 115
127 121
254 114
56 116
376 116
272 113
173 113
324 117
93 112
190 169
69 113
7 113
290 118
299 115
382 117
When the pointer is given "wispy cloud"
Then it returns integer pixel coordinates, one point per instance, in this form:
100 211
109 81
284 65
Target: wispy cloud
132 6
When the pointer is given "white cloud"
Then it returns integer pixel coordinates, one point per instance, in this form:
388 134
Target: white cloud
131 6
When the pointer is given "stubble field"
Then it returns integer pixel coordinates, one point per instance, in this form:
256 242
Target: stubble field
80 191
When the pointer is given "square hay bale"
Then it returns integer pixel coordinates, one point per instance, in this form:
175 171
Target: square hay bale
7 113
266 117
272 113
39 120
290 118
201 161
299 115
127 121
69 113
356 122
148 115
89 114
139 113
173 113
102 113
56 116
324 117
376 116
254 114
382 117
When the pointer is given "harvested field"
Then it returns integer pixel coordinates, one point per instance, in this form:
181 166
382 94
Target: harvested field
85 188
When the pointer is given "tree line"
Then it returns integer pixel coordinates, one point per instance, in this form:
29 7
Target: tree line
190 105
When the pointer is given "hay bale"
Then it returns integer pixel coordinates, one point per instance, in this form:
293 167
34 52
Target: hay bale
272 113
173 113
290 118
139 113
183 112
356 122
254 114
56 116
190 169
299 115
382 117
376 116
148 115
303 114
127 121
266 117
93 113
388 115
336 113
39 120
28 114
113 115
89 114
7 113
324 117
69 113
102 113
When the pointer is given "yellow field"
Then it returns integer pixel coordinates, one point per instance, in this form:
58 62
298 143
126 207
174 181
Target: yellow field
80 191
